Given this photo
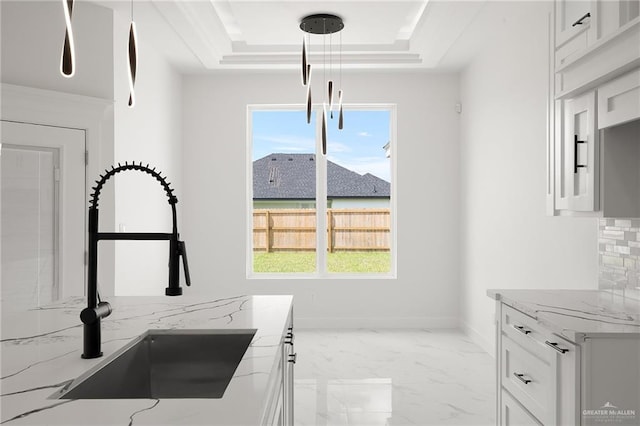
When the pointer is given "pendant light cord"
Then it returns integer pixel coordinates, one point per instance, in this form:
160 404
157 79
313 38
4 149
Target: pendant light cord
324 60
341 60
330 58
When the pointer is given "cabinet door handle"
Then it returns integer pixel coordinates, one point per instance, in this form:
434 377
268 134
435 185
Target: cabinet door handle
521 378
293 358
575 154
521 329
579 21
556 347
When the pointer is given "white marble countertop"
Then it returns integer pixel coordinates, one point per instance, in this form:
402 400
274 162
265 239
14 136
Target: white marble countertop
576 314
40 353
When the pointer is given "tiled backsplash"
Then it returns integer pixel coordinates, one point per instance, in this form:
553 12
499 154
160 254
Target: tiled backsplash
619 252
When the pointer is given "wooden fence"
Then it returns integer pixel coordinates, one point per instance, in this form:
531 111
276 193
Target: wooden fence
347 229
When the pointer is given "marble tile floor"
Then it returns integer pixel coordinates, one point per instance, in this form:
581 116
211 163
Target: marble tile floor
392 377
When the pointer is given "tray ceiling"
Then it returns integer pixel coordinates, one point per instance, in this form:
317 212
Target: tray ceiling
244 34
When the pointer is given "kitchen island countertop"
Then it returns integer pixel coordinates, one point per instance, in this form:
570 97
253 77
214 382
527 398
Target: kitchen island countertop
41 349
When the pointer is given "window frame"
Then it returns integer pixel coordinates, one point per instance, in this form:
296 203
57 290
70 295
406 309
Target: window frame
321 196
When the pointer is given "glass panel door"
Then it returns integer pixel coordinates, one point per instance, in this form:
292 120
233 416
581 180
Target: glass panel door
29 226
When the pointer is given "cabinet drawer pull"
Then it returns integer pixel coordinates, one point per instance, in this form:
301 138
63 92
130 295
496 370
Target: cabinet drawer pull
575 154
555 346
521 378
579 21
289 338
293 358
521 329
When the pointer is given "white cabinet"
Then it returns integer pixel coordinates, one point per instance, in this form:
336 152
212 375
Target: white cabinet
545 379
619 100
514 414
572 18
577 149
611 15
573 30
594 41
290 357
594 84
279 411
536 368
585 22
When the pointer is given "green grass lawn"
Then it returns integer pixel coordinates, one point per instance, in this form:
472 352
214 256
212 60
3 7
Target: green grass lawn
357 261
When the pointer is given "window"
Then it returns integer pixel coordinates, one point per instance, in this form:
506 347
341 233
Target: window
294 192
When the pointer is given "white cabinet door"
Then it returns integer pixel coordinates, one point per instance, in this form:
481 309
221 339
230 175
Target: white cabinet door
577 156
514 414
573 17
611 15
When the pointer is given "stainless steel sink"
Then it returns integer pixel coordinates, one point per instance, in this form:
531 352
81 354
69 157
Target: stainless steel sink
165 364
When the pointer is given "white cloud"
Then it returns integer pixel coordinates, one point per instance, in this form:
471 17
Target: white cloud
364 134
288 143
338 147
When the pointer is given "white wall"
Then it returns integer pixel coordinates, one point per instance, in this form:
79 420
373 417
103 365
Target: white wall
150 133
32 39
507 240
426 290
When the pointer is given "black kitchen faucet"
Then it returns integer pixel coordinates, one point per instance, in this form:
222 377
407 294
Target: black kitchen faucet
97 309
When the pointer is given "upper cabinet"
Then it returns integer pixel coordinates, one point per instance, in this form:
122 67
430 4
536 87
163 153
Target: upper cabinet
573 30
594 86
594 41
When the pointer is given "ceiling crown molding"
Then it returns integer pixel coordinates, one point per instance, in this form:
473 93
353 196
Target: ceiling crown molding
198 25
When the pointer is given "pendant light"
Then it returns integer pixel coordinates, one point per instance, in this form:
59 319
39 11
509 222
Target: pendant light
322 24
68 59
304 61
132 55
309 104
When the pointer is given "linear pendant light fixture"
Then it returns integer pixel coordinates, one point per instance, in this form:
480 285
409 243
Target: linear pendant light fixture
322 24
68 59
132 55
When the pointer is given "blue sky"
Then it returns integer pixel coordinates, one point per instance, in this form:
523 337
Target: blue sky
358 147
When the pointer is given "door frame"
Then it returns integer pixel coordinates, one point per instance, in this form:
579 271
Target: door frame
93 115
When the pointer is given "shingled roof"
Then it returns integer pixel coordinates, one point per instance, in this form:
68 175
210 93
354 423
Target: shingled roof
293 177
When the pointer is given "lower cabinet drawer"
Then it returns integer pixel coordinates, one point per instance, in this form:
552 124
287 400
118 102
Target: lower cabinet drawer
525 331
528 379
514 414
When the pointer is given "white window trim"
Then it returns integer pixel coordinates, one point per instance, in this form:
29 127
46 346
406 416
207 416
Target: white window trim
321 194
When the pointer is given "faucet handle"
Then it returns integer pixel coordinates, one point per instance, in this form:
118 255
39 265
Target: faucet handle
91 315
182 251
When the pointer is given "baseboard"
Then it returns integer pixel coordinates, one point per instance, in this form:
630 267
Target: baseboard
486 344
376 322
